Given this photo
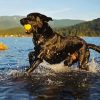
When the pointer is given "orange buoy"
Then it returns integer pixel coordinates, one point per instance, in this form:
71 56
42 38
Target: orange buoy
3 46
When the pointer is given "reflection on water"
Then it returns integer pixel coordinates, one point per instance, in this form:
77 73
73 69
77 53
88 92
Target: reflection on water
45 83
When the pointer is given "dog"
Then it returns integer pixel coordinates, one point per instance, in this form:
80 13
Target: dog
52 47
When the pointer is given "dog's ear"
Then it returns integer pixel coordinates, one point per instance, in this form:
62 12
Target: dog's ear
45 18
39 22
41 16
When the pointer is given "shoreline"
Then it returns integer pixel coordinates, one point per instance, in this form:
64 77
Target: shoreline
15 36
12 36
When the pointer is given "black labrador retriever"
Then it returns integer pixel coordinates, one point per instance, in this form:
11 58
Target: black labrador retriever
53 47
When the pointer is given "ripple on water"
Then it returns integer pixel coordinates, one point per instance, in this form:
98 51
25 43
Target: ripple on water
47 82
70 85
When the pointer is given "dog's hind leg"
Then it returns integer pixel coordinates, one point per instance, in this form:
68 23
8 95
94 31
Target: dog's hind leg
68 61
84 55
71 59
86 60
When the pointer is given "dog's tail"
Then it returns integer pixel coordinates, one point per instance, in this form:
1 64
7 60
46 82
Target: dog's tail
94 47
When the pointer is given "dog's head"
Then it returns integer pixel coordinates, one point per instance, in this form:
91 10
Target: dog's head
33 21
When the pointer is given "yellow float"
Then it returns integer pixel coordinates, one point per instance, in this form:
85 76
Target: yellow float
3 46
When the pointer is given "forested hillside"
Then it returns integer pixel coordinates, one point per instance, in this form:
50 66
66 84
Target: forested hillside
10 26
90 28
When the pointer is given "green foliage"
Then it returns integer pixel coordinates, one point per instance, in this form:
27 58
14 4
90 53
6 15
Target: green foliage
7 22
10 25
90 28
64 23
14 32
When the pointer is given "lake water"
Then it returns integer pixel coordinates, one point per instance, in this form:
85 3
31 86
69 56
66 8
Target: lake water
45 83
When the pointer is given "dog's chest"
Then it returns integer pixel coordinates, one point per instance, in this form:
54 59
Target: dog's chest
39 39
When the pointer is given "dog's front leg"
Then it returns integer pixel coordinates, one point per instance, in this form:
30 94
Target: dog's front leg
34 66
32 57
83 57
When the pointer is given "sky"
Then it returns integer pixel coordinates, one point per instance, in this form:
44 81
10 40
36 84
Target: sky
57 9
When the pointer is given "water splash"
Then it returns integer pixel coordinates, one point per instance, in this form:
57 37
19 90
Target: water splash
47 69
57 68
93 66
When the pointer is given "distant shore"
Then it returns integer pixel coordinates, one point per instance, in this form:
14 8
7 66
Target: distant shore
16 36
